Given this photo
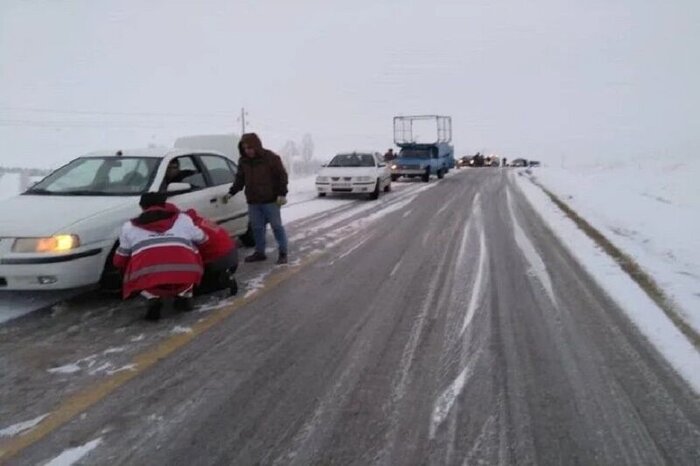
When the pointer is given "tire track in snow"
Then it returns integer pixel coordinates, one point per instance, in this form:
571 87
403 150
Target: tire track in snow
537 265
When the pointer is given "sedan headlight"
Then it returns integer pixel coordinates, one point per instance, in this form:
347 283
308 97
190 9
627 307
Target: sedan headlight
363 179
58 243
321 179
394 167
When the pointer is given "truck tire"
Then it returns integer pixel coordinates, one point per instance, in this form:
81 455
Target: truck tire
440 174
426 176
394 177
387 188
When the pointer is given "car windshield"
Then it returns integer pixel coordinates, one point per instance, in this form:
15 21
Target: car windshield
415 153
100 176
352 160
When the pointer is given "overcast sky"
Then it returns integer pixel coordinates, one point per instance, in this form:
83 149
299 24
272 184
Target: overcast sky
542 78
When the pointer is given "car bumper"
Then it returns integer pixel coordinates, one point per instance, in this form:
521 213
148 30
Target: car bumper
353 188
78 269
408 171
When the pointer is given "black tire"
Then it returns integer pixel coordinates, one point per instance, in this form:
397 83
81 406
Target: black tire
387 188
247 239
233 288
375 195
426 176
322 194
440 174
394 177
111 279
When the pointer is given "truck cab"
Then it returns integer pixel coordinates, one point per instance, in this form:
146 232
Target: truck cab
434 157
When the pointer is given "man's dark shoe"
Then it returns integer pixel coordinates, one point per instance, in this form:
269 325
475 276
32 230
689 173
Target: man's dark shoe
282 260
184 304
256 257
154 307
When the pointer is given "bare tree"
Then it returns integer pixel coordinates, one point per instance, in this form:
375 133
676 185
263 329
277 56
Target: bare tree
307 148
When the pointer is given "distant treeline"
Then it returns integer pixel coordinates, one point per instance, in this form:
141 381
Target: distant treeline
25 171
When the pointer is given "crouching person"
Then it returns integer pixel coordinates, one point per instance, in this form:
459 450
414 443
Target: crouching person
159 256
220 256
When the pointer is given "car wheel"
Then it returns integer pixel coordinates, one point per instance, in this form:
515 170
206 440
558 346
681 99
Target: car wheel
375 195
426 176
247 238
440 174
111 279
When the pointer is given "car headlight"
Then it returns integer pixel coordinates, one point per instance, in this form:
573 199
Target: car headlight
394 167
58 243
322 179
363 179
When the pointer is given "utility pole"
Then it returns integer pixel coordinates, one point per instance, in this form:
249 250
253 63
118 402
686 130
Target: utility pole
242 120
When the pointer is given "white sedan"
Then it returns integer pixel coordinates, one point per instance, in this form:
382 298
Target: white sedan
62 232
354 173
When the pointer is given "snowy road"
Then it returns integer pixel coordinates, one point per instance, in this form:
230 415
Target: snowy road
404 333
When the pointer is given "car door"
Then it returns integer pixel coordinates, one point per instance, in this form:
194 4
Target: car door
221 172
200 196
383 170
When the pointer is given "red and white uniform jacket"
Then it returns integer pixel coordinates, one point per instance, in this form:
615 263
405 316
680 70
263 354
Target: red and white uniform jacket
158 252
218 243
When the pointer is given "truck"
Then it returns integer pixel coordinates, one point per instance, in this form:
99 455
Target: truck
426 158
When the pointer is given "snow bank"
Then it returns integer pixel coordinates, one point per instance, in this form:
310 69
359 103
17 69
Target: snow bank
649 209
646 315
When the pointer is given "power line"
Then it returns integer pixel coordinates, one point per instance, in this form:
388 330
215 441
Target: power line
108 113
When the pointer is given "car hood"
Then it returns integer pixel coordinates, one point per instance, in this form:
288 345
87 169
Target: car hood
348 171
39 215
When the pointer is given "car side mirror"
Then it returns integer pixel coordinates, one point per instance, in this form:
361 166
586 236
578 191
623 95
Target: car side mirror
179 188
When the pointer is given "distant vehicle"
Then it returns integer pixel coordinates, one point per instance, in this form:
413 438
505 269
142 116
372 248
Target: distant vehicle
355 173
62 232
477 160
492 161
422 159
534 163
464 162
519 163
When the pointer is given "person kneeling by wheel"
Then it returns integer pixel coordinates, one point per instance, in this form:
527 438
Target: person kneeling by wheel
220 256
158 254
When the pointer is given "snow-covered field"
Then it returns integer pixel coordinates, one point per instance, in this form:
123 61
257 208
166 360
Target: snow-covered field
9 185
651 211
648 209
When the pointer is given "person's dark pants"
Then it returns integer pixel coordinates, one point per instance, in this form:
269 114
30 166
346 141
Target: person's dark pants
262 214
217 274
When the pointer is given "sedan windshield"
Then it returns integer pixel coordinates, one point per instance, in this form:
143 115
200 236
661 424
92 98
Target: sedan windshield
100 176
352 160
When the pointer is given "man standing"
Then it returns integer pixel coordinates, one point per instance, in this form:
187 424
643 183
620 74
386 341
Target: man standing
264 178
158 254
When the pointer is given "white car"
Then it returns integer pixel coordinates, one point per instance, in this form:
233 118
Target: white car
356 173
62 232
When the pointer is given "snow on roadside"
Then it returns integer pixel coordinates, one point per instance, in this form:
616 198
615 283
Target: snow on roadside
649 209
73 455
651 321
20 427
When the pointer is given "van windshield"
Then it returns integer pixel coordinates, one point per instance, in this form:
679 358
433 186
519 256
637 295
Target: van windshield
415 153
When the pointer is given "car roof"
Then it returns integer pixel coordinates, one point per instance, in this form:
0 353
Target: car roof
159 152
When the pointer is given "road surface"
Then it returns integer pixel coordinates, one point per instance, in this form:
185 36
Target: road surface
444 324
